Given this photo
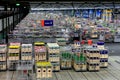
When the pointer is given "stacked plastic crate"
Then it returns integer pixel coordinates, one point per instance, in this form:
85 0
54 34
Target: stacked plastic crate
43 70
103 54
93 59
65 57
13 55
40 51
26 52
54 56
3 61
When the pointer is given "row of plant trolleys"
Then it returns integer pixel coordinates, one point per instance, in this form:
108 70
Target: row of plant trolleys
53 57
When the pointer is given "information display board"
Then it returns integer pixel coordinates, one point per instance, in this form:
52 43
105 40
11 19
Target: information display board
46 23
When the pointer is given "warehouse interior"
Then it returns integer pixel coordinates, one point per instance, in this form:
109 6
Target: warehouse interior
58 40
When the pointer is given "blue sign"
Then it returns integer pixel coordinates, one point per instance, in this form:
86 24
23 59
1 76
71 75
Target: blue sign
91 11
48 22
85 14
77 13
98 13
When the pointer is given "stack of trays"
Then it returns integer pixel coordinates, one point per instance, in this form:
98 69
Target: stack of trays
13 52
3 61
104 58
103 54
54 56
43 70
26 52
93 59
40 51
79 62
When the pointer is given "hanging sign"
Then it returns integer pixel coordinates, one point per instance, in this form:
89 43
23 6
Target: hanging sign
77 13
46 23
85 14
91 11
98 13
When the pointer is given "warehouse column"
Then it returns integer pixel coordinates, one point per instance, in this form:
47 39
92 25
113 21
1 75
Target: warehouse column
5 30
8 25
11 24
13 19
2 28
5 9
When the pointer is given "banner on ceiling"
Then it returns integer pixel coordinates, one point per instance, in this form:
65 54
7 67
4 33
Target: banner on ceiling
98 13
46 23
91 11
77 13
85 14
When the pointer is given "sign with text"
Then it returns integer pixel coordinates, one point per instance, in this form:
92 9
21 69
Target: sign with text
46 23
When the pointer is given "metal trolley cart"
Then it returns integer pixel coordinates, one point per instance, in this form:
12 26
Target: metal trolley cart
65 57
93 59
103 55
25 70
3 59
43 70
79 62
54 55
13 56
79 59
26 52
40 51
